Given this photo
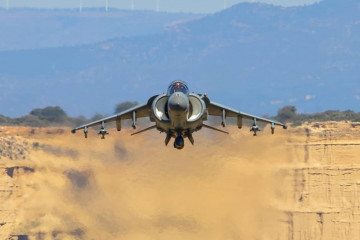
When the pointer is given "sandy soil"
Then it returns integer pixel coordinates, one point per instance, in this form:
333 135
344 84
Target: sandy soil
300 184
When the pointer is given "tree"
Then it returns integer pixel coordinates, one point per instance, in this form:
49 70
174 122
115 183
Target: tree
125 106
96 117
51 114
286 114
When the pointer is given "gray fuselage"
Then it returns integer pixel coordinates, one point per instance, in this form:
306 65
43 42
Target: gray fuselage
178 114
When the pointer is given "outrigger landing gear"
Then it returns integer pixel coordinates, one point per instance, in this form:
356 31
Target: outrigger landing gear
103 131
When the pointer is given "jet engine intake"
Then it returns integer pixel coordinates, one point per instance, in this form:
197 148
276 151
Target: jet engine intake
197 108
159 108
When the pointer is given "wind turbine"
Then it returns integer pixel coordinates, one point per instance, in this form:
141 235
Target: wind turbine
157 5
80 8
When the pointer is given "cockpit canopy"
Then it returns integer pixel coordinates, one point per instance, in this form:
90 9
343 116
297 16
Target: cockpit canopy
178 86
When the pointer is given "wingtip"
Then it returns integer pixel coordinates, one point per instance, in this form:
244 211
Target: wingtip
285 127
73 130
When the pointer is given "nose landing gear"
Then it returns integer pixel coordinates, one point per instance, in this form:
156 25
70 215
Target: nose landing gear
179 142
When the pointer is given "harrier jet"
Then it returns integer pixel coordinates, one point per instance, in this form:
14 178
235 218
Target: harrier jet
179 114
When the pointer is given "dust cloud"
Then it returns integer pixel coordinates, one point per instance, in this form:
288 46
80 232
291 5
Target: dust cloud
123 187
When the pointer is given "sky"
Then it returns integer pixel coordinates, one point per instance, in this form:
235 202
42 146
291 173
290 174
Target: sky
195 6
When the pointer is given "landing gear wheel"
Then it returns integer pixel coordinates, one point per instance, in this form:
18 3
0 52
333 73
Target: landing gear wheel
179 143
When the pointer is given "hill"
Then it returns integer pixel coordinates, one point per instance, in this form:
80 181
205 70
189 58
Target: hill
253 57
24 29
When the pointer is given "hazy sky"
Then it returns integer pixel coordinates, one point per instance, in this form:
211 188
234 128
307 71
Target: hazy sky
200 6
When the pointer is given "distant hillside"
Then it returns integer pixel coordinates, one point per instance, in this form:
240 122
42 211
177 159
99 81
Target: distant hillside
32 28
253 57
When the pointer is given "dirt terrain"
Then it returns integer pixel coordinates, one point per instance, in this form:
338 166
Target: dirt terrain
300 184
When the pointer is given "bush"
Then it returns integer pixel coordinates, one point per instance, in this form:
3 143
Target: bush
288 114
96 117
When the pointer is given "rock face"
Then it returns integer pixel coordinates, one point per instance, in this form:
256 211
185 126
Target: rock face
323 188
301 184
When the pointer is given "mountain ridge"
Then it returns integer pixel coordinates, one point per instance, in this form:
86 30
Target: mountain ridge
301 56
25 29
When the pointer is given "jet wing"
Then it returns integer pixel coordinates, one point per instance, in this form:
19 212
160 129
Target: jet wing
216 109
139 111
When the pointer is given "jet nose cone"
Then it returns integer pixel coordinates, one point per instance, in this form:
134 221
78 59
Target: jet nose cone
178 102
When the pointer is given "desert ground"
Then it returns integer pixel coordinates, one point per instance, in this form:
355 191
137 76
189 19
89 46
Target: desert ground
299 184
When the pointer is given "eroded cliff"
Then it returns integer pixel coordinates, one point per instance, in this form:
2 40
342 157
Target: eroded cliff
300 184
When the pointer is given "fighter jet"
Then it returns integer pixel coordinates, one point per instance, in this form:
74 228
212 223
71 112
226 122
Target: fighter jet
179 113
